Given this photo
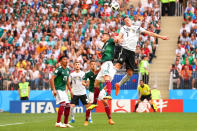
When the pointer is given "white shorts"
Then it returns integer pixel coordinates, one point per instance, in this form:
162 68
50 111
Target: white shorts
107 68
61 96
102 94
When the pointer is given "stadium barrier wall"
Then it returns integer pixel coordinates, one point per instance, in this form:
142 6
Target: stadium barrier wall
189 98
185 94
40 106
117 106
7 96
127 91
129 85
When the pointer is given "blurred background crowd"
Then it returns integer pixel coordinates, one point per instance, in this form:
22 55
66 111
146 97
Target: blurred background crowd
184 69
35 33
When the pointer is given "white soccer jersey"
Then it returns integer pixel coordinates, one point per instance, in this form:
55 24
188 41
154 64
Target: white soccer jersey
76 83
130 36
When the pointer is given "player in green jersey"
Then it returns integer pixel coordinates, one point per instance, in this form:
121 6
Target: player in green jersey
59 84
107 72
91 75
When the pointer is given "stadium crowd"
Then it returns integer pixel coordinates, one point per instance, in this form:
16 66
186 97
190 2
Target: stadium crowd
35 33
184 69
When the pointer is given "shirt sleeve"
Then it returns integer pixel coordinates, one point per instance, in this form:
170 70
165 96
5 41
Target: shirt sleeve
111 40
142 29
122 30
56 72
85 77
138 88
148 88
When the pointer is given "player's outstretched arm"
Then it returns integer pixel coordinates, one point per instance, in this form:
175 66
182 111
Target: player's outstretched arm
53 85
156 35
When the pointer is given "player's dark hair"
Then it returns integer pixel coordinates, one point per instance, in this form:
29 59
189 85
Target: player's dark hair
76 62
92 61
142 81
106 34
62 57
126 16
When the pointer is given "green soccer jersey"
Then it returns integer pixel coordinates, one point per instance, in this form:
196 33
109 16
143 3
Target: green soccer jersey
91 76
108 51
61 78
1 32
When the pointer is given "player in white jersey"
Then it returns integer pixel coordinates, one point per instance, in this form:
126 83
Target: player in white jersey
78 90
130 35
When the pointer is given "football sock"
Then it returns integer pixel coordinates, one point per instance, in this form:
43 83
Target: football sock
96 94
136 106
153 108
108 112
124 79
90 116
66 113
72 113
108 83
60 112
87 114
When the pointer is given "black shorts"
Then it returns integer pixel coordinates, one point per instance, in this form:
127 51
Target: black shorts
24 98
75 99
123 55
148 97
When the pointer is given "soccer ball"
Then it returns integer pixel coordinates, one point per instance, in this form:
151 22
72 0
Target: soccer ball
115 6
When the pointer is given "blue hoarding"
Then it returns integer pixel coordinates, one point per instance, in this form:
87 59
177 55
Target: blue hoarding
40 106
189 105
129 85
32 106
186 94
7 96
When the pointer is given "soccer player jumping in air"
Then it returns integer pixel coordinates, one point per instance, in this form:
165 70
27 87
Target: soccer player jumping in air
59 84
107 72
130 35
91 75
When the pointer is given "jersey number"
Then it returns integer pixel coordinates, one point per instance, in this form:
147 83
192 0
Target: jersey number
65 78
127 33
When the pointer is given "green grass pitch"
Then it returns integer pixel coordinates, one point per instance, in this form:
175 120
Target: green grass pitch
124 122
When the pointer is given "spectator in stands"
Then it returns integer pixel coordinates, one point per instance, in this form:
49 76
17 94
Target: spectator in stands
1 81
180 50
186 63
15 78
186 77
183 28
36 78
175 76
31 33
6 79
52 61
194 75
29 76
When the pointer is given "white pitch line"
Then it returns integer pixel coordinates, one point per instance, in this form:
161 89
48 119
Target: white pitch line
11 124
